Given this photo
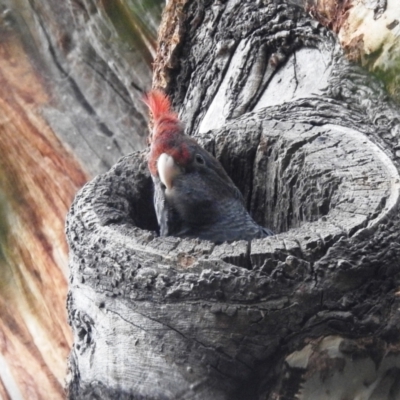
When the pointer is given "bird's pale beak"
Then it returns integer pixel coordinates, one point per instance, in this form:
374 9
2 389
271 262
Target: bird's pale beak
167 170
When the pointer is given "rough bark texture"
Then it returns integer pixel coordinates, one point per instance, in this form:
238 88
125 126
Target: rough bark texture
310 313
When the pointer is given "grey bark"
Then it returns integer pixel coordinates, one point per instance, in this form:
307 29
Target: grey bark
312 142
96 80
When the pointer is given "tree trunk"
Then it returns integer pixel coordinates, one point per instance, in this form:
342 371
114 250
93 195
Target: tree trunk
310 313
65 115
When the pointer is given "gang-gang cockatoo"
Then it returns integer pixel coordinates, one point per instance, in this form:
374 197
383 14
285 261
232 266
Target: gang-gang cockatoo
193 195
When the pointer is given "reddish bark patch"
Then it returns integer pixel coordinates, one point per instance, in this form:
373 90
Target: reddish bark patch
170 36
39 178
330 13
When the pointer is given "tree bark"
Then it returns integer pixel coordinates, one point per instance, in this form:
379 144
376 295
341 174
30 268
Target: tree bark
310 313
66 114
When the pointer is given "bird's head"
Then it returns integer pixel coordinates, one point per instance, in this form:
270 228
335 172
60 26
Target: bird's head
175 157
168 148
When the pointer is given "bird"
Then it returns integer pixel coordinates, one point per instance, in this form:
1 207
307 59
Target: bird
193 195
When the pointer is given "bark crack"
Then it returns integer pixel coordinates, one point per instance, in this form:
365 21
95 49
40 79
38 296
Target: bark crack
73 84
195 340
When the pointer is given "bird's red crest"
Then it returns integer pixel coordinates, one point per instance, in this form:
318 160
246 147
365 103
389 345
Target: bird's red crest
167 136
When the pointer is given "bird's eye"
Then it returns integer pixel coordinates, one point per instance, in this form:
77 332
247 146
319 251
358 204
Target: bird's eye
199 159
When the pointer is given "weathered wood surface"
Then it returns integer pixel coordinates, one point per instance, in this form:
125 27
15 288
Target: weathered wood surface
97 109
312 312
368 31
